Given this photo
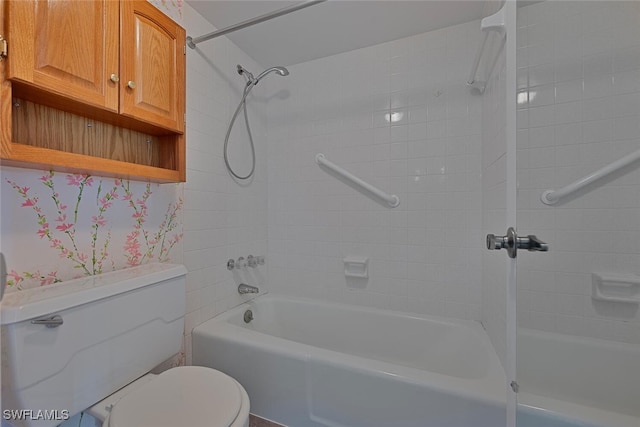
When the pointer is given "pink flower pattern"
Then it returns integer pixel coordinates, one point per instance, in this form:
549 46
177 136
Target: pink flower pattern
99 220
79 179
16 279
139 235
140 245
64 227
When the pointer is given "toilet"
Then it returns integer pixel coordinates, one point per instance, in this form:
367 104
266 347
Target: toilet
188 396
89 345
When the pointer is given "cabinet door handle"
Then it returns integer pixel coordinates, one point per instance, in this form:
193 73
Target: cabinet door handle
114 78
131 84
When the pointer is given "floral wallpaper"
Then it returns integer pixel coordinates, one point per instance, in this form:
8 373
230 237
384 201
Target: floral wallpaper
58 226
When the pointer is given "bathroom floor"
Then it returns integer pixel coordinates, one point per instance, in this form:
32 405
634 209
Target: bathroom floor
261 422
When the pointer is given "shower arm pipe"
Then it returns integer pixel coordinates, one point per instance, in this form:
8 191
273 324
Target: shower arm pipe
391 199
551 197
193 41
495 22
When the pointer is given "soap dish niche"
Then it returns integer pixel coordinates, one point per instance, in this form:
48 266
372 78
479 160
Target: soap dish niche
356 266
615 287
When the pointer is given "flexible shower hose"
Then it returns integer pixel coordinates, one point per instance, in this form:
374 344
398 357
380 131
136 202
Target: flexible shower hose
243 104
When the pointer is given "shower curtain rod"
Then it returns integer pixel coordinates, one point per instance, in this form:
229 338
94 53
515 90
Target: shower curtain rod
192 42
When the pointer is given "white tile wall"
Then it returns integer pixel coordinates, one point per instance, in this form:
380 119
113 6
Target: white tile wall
579 64
222 218
400 116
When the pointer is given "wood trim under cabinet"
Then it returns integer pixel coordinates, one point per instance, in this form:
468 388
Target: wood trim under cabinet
44 158
33 157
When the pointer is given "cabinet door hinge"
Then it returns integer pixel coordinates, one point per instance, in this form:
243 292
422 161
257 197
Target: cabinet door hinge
185 118
3 48
184 49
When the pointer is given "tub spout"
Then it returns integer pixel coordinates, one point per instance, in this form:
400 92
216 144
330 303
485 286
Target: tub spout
247 289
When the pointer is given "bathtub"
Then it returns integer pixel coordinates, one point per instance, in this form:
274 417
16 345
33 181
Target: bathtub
306 363
573 379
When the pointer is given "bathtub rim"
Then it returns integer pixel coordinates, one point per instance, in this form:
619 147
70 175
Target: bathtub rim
573 412
567 410
490 389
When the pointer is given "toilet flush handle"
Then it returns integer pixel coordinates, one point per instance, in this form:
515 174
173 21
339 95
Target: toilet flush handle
49 322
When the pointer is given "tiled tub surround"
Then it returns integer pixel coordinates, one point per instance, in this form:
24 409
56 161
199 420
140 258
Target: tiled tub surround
309 363
223 219
399 116
578 110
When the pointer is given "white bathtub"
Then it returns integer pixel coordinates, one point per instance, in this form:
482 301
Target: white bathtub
307 363
586 379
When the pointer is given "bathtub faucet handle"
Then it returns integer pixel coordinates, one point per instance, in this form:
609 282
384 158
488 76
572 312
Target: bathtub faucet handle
252 261
243 288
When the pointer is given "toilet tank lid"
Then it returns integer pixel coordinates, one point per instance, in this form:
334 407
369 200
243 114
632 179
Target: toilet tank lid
36 302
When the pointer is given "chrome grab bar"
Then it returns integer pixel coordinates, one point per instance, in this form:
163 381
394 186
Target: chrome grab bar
551 197
391 199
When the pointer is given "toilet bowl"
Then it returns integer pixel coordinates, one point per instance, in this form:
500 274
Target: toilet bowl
96 339
189 396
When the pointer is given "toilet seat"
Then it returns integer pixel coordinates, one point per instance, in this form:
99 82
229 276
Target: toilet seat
191 396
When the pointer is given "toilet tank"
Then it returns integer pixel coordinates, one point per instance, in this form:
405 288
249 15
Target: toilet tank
116 327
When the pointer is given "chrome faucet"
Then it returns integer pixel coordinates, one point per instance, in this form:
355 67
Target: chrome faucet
247 289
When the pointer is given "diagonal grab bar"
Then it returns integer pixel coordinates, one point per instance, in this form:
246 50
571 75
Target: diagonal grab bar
551 197
391 199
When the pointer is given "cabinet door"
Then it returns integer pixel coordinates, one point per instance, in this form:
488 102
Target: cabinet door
66 47
152 60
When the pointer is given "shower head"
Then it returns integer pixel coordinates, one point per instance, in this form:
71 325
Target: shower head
281 71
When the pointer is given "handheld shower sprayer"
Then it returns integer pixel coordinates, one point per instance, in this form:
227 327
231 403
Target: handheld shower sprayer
251 82
281 71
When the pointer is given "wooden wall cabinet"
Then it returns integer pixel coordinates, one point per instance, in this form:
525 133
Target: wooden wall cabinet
93 86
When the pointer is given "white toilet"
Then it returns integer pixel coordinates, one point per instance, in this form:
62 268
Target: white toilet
89 344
